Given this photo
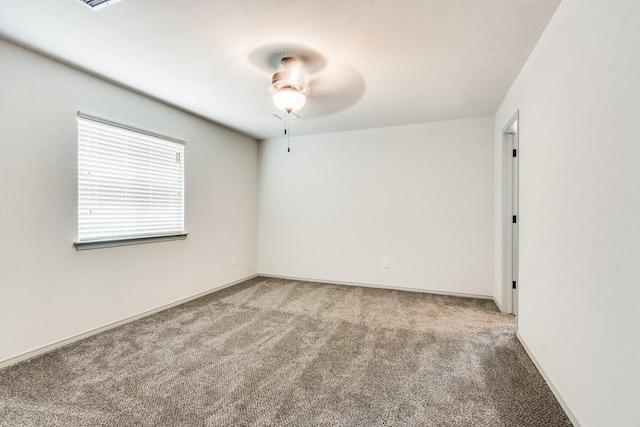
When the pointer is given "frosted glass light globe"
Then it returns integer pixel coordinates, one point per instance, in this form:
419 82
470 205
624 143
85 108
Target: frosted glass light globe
289 100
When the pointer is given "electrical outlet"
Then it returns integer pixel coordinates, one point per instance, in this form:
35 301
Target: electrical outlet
385 263
359 263
234 260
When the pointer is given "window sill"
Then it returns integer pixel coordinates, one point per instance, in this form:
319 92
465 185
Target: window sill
98 244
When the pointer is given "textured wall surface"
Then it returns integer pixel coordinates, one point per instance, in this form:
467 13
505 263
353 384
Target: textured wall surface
48 290
419 196
579 102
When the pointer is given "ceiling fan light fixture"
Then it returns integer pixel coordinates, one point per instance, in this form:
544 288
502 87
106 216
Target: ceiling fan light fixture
290 85
289 99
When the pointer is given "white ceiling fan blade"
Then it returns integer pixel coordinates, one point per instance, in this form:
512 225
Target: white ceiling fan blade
337 87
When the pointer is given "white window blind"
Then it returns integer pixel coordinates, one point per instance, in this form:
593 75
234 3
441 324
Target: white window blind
130 182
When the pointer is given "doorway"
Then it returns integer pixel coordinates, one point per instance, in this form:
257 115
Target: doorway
511 217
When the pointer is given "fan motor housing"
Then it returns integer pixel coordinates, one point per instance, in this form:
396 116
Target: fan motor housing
284 80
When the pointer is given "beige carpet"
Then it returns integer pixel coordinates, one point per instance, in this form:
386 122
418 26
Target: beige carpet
271 352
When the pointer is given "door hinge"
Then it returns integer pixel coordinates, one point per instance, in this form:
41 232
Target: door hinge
515 152
514 284
514 219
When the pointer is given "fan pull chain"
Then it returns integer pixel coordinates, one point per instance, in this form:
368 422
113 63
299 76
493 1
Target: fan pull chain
286 131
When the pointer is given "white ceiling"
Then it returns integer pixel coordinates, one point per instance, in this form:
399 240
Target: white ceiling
387 62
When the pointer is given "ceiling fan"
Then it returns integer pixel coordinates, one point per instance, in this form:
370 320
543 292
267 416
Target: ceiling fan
302 77
290 85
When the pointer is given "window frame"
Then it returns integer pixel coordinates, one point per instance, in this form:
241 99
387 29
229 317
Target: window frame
84 244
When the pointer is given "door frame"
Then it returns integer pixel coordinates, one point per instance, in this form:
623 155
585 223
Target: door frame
510 208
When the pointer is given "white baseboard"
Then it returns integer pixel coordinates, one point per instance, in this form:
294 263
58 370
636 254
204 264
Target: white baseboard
41 350
565 406
370 285
495 301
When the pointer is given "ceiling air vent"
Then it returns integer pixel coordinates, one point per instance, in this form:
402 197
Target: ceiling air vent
97 4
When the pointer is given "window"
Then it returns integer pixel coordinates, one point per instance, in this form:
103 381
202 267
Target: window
130 184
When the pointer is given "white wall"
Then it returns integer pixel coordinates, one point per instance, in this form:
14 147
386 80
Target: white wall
419 196
579 102
49 291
